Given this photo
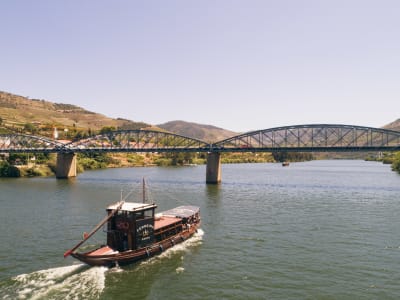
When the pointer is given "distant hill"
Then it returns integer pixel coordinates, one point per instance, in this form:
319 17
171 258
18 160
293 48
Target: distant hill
16 111
393 126
206 133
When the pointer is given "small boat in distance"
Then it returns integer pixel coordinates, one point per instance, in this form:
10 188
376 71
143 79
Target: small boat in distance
285 164
135 232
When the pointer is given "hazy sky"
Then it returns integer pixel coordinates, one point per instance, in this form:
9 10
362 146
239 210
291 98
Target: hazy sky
239 65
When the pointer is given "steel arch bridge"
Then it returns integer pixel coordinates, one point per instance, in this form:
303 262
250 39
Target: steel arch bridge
301 138
312 138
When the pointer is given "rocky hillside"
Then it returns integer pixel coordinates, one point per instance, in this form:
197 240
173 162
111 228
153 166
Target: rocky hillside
43 115
17 111
206 133
393 126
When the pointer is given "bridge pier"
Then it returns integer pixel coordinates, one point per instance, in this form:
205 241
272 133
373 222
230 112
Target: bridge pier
213 173
66 165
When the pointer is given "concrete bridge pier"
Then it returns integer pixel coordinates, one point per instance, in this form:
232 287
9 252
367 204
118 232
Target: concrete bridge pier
66 165
213 173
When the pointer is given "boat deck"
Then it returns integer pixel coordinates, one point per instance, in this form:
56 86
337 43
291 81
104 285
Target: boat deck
165 221
103 251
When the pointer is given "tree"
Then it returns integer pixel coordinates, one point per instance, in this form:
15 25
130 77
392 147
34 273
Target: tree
7 170
29 127
107 129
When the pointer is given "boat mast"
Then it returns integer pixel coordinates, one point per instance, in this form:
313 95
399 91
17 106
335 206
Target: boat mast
86 237
144 190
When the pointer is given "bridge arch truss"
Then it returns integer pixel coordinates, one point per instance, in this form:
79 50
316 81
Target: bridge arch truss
313 138
28 143
138 141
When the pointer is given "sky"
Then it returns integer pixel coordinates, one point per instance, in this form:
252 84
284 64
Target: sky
239 65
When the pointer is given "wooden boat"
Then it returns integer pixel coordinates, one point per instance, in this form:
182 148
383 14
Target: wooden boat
135 232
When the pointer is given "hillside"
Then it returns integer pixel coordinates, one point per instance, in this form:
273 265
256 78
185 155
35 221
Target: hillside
43 115
17 111
393 126
206 133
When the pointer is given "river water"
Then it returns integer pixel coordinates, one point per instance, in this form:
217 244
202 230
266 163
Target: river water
313 230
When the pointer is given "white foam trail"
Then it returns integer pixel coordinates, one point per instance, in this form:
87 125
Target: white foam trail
194 240
185 246
78 281
71 282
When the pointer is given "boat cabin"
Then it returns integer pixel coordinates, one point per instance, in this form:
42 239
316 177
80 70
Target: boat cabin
131 227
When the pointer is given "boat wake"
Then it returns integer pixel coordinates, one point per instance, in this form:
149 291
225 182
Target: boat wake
185 246
78 281
71 282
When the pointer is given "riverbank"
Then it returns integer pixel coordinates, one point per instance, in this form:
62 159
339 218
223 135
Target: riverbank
8 170
129 160
126 160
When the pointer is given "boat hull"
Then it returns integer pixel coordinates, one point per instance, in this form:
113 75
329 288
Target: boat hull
130 256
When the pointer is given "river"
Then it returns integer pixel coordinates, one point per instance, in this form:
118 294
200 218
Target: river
313 230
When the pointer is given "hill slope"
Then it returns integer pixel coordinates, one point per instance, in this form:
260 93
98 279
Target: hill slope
16 111
393 126
203 132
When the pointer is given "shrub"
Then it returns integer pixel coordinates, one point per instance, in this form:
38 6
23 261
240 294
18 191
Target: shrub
135 159
7 170
163 162
38 171
91 164
396 163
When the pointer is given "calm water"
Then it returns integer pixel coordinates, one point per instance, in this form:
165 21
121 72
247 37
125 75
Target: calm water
315 230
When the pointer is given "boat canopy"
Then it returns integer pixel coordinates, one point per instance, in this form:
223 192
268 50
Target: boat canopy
132 206
181 211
